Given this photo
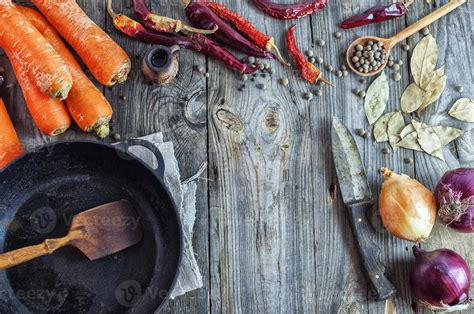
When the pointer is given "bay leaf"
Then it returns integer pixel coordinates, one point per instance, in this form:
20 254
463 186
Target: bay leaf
407 130
417 125
463 109
424 59
376 98
439 73
447 134
412 98
434 91
380 128
395 126
410 141
430 142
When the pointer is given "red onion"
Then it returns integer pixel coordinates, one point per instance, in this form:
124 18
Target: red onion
441 279
455 197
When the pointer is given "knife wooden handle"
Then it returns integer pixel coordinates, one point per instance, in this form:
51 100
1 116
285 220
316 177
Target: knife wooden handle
370 254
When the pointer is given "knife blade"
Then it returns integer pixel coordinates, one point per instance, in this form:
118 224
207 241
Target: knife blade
350 170
358 198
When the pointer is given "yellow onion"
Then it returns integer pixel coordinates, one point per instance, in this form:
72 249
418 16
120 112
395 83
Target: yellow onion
407 208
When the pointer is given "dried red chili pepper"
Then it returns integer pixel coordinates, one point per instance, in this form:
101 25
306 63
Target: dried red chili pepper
201 16
244 26
162 23
308 70
377 14
197 42
290 11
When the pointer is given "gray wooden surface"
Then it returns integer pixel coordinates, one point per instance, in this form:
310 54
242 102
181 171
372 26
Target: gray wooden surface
269 237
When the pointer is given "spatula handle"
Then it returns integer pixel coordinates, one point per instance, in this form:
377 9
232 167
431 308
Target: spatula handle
370 254
20 256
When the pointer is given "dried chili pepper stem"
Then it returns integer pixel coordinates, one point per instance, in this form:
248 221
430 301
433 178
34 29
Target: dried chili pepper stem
308 70
244 26
164 24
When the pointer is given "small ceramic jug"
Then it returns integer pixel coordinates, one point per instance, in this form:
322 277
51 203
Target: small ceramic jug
160 64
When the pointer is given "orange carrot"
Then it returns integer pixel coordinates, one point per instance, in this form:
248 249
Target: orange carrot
106 60
86 104
44 66
50 114
10 146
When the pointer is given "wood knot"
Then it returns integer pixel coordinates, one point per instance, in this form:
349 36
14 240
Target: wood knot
272 119
230 121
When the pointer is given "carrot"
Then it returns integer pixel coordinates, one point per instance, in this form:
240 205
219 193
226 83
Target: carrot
106 60
86 104
44 66
10 146
50 114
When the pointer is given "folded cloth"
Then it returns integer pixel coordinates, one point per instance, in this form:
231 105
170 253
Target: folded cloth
184 195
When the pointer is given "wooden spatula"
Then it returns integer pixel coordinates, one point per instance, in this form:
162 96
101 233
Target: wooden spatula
97 232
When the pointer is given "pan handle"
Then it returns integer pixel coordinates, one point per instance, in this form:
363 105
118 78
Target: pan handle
160 169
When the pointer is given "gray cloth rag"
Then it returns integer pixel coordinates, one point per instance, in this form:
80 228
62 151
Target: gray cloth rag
184 195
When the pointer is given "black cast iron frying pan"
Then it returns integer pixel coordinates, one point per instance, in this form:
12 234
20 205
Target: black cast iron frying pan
39 194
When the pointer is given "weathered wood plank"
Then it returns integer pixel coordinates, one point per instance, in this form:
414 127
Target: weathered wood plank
342 102
454 36
262 228
179 111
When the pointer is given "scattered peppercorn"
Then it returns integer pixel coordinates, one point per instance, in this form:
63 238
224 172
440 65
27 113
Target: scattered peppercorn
329 68
284 81
400 62
425 31
345 73
262 86
339 73
200 69
320 43
396 67
312 59
460 88
361 94
251 60
261 67
308 96
319 60
363 81
361 132
396 76
207 75
318 92
244 77
343 67
337 34
390 64
385 151
267 66
116 137
405 47
408 160
309 53
123 97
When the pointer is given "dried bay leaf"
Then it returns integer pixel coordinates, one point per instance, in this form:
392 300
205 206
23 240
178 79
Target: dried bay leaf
412 98
376 98
424 59
417 125
410 141
434 91
407 130
447 134
430 142
463 109
439 73
380 128
395 126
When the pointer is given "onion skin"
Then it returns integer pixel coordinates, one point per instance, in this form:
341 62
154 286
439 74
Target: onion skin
455 198
407 208
440 279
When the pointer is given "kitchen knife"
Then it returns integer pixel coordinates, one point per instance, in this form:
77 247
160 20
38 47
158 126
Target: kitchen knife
357 196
